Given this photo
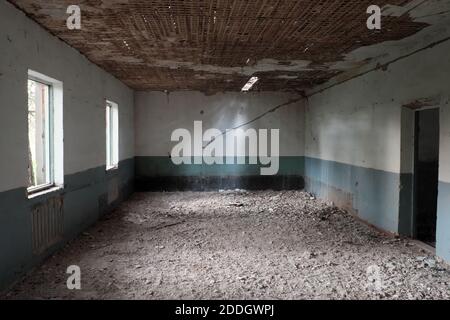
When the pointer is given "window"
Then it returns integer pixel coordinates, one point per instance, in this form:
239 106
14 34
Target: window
43 134
112 135
39 134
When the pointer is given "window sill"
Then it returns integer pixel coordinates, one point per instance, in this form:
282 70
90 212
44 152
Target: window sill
114 168
44 192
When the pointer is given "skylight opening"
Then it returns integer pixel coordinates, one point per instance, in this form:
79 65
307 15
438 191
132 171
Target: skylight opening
250 84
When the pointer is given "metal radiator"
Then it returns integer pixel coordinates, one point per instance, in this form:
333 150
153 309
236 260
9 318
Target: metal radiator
47 224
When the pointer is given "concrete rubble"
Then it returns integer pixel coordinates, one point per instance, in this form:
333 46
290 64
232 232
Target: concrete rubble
237 244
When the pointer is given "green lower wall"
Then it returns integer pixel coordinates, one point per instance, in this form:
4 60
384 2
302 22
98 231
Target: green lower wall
373 195
159 173
443 222
164 167
85 200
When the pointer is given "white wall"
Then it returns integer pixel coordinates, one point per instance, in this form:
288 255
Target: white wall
157 114
346 126
359 122
25 45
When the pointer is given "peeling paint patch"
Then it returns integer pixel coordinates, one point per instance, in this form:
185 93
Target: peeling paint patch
285 76
264 65
423 102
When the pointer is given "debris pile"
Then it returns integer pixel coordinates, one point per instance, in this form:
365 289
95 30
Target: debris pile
237 245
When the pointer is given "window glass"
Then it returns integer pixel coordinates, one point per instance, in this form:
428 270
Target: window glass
39 134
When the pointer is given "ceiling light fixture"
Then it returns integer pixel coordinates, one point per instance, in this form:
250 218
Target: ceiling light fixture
250 83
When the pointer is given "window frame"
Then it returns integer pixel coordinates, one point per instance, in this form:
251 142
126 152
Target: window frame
49 139
55 137
112 135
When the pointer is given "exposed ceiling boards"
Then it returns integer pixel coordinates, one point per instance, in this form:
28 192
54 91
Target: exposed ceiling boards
217 45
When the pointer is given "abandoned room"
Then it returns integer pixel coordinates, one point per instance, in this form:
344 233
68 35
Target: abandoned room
225 149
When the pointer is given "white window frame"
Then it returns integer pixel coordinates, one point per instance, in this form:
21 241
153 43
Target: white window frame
54 144
112 135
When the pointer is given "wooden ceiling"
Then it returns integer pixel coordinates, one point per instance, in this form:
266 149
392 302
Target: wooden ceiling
217 45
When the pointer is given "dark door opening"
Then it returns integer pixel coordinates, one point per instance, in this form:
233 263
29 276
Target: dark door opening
426 174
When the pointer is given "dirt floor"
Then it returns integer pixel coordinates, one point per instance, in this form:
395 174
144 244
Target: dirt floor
237 245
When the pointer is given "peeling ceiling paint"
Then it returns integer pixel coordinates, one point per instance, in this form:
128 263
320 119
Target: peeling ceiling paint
217 45
264 65
435 14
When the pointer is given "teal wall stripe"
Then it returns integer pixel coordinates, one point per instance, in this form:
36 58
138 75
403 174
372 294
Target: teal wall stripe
371 194
15 235
443 222
164 167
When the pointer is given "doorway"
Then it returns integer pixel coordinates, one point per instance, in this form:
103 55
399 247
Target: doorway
426 175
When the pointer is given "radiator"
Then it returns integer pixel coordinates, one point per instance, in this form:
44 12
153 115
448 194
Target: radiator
47 224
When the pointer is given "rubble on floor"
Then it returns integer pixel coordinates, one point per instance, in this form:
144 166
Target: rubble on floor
237 245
